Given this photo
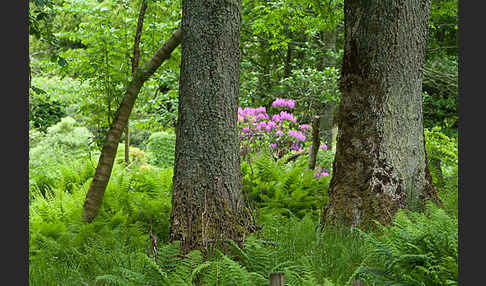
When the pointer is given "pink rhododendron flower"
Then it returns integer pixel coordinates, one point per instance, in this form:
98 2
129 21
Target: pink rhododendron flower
280 102
276 118
297 134
304 126
270 126
287 116
295 147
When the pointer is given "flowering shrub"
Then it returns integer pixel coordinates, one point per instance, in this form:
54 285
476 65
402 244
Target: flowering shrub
278 134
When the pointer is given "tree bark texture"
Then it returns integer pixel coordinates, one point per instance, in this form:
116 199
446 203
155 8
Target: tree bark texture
207 200
316 142
102 174
380 164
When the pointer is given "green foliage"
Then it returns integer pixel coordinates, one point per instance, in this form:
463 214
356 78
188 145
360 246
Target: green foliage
324 160
301 250
35 136
137 157
312 89
279 186
71 93
281 36
443 29
441 147
91 43
111 249
44 111
417 249
161 149
277 19
291 245
194 270
138 137
160 108
442 153
64 149
106 30
440 86
115 248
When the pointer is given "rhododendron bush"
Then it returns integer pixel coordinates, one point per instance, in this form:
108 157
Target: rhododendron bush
279 134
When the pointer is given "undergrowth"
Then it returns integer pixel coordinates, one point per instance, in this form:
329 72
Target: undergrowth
117 248
418 249
287 188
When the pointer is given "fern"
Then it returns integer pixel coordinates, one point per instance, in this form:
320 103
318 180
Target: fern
418 249
280 186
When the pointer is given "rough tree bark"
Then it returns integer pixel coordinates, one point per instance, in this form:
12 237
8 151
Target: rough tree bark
380 164
207 200
102 174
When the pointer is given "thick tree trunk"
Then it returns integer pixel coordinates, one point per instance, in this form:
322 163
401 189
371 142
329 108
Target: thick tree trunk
380 164
102 174
207 200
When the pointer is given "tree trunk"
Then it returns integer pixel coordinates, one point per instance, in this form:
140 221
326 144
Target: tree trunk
102 174
328 111
207 200
127 144
329 40
135 61
326 124
316 142
380 164
288 62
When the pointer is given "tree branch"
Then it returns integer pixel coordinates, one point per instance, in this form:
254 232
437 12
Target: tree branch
138 35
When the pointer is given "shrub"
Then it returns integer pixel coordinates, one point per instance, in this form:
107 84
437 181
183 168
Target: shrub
161 149
279 134
45 112
54 98
137 157
139 137
312 89
63 145
35 136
